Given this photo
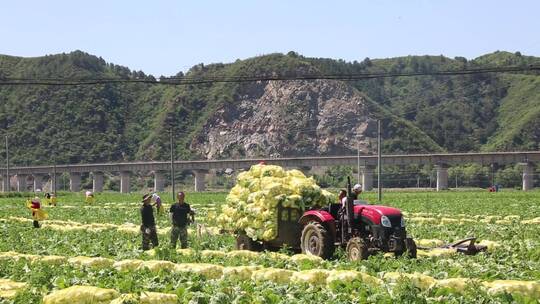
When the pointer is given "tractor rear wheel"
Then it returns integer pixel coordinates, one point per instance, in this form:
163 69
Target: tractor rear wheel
244 242
316 240
357 250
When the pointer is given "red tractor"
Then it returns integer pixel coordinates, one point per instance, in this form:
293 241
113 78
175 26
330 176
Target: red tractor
360 228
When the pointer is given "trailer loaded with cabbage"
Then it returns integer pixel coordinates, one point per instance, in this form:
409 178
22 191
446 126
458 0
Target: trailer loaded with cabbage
271 207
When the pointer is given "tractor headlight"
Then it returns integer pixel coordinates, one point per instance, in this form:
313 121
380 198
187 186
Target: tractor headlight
385 221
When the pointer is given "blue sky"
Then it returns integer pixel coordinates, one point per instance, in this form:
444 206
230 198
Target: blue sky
163 37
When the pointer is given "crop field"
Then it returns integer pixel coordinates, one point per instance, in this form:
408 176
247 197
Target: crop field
98 246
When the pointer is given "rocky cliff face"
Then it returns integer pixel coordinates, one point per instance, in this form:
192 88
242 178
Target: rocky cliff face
294 118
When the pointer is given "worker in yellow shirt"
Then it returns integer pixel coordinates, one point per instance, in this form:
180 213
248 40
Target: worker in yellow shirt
90 199
53 201
38 214
47 200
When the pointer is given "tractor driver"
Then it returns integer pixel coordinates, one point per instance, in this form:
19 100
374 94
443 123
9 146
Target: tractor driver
356 190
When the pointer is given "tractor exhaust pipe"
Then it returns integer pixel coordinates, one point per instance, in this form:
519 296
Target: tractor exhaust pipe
349 207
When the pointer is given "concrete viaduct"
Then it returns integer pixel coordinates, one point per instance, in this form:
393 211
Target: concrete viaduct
201 167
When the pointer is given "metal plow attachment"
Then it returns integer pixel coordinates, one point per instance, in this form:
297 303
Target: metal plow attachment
466 246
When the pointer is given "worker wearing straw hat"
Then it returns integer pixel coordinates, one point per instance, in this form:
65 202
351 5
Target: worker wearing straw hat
148 226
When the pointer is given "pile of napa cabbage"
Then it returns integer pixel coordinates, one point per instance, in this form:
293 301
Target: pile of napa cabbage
251 205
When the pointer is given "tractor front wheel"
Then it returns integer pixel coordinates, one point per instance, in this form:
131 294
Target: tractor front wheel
244 242
357 250
316 240
409 247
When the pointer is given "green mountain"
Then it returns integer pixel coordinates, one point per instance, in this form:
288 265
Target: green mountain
115 122
518 115
460 113
278 118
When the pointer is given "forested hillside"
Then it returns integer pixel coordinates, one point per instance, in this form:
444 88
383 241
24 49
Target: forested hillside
460 113
116 122
70 124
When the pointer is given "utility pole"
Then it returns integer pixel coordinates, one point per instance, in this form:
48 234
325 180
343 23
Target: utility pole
172 164
8 183
493 174
54 177
379 161
358 165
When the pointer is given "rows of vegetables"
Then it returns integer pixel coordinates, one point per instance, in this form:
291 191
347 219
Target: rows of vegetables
100 263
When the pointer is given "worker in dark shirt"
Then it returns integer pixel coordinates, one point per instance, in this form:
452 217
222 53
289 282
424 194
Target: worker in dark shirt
148 227
179 217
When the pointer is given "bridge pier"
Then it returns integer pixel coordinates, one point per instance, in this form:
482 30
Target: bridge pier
5 184
97 181
528 173
124 181
74 181
442 177
367 178
200 184
159 181
39 180
21 183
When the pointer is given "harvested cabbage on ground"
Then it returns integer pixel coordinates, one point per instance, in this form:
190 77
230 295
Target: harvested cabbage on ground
9 288
252 203
81 295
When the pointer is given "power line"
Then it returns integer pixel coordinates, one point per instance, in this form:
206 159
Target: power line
191 80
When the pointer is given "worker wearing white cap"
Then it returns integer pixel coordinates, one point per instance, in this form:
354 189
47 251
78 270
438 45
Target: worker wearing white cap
158 204
89 197
356 190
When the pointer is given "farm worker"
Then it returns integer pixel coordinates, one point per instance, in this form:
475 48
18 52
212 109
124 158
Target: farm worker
148 226
48 198
356 190
37 213
179 217
53 200
158 204
342 194
89 197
